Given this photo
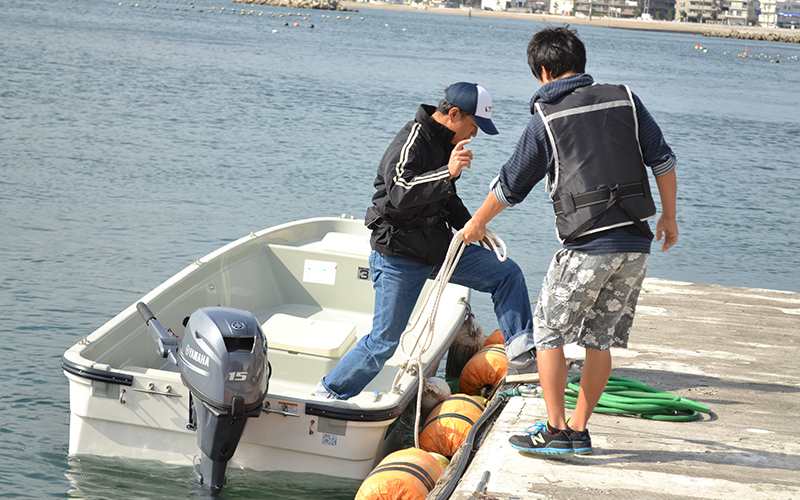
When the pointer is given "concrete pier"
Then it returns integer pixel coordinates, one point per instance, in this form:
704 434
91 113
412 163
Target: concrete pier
734 350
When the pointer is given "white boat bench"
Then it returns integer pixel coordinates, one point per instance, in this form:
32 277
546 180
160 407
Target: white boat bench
305 349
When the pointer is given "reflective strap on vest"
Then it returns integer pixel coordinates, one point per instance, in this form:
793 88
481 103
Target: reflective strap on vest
571 203
613 200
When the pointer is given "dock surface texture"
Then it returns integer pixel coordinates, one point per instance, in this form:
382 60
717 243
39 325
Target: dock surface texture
734 350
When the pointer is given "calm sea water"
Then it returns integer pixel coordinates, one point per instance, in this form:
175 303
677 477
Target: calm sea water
134 140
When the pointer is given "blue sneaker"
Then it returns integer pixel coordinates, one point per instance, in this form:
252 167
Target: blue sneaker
541 439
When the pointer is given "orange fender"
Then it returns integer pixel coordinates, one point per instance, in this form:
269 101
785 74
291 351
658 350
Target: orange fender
495 338
486 368
449 423
408 474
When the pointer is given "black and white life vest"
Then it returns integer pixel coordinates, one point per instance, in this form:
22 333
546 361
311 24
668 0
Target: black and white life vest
600 178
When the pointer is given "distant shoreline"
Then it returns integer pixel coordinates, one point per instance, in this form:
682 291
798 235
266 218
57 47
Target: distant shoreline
715 30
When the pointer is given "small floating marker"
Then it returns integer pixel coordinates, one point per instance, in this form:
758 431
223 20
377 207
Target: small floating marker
296 24
361 18
274 31
404 29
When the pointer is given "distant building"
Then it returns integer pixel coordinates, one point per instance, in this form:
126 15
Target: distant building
787 14
767 13
610 8
696 10
658 9
738 12
536 5
561 7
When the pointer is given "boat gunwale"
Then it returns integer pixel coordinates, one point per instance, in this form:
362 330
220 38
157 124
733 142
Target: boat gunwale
112 376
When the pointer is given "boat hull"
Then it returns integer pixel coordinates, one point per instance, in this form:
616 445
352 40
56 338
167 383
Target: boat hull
308 284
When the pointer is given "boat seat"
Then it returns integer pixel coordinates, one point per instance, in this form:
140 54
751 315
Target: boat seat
306 349
352 244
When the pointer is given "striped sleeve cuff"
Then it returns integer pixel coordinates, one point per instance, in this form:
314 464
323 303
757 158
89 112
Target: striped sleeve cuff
665 167
497 189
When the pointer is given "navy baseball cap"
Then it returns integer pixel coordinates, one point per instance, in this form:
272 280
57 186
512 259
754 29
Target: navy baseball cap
475 100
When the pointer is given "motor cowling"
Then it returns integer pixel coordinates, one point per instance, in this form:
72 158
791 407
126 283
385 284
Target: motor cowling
223 361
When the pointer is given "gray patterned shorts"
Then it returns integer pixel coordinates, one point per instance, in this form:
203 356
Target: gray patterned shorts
589 299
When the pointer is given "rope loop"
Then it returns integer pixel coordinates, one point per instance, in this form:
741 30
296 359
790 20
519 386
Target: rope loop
422 342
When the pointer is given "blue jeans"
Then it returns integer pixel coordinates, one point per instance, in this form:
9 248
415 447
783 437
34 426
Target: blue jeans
398 283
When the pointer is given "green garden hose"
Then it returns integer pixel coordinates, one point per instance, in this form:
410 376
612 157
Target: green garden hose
625 396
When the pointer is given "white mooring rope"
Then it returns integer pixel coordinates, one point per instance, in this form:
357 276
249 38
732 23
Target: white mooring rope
423 341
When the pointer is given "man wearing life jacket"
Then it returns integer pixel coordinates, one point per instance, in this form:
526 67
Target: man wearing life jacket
414 211
593 143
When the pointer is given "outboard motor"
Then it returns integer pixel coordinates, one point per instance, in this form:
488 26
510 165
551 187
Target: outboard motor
222 359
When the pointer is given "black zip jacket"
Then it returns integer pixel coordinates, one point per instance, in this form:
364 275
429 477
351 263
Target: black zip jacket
415 206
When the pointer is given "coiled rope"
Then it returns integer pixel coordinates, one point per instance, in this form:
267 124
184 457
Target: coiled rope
625 396
424 339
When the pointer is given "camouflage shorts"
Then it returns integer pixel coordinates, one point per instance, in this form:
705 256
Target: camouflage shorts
588 299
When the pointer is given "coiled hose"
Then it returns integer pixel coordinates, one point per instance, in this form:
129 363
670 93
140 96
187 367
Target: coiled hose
625 396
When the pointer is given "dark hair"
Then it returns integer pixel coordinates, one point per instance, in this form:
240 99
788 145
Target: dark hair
559 50
444 106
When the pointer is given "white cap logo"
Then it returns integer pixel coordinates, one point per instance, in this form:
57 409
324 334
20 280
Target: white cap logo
483 108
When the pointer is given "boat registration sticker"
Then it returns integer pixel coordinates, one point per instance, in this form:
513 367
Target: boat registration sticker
319 271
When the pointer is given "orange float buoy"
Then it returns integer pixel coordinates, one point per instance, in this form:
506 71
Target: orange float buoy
495 338
449 423
408 474
484 371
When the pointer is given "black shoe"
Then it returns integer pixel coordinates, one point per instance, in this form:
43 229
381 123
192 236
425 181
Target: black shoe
541 439
581 442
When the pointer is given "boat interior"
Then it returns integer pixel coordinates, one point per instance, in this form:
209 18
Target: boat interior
307 285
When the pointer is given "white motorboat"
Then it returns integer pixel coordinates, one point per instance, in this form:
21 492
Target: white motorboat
150 385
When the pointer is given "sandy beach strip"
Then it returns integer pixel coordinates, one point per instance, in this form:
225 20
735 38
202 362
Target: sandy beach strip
706 29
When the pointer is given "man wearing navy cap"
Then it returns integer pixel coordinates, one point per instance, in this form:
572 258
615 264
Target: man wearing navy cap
414 212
